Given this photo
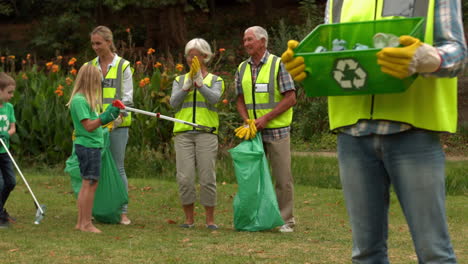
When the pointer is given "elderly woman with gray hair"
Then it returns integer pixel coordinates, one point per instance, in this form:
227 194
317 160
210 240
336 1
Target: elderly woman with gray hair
195 96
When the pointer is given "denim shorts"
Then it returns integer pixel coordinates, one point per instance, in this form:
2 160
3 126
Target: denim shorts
90 162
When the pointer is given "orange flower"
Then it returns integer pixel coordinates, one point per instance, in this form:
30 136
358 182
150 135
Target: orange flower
60 87
73 71
151 51
24 76
225 101
128 30
28 56
142 83
157 64
71 61
59 57
221 50
179 67
138 63
11 57
3 59
147 80
55 68
59 92
23 62
49 65
69 80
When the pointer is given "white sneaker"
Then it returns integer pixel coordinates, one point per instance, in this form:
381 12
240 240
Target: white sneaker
286 229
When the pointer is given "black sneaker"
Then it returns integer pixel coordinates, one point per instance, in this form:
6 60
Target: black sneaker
4 223
5 215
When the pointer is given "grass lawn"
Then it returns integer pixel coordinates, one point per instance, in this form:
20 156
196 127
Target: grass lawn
322 234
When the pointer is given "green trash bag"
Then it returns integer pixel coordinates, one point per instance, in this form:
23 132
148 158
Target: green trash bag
111 193
255 204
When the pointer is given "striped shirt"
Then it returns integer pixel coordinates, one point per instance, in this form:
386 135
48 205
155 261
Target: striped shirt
449 40
285 83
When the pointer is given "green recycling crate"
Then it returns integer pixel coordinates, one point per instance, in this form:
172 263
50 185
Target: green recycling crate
353 72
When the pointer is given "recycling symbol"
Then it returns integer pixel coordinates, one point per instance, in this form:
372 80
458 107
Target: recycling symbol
349 74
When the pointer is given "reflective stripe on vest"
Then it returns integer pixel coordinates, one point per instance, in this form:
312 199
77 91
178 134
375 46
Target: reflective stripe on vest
112 87
430 103
198 111
259 103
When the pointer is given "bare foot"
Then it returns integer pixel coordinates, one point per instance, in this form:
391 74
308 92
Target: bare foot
124 220
90 228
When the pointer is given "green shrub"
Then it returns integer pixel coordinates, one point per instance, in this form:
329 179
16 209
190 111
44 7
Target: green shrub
456 181
152 95
145 162
308 169
44 127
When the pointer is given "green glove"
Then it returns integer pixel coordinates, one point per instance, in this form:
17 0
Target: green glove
414 57
5 137
294 65
109 115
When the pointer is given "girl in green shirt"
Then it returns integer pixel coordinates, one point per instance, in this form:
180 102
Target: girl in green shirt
88 138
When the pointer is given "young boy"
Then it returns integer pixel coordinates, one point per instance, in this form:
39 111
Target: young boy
7 128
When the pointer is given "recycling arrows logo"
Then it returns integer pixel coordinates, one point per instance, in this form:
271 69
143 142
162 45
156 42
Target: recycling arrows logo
349 75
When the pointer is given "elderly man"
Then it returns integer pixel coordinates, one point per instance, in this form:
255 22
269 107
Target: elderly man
266 93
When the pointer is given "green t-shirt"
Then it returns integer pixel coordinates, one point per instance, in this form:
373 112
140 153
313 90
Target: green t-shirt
7 117
80 110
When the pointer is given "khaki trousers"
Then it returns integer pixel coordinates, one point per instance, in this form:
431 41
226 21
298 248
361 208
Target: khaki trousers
196 152
278 153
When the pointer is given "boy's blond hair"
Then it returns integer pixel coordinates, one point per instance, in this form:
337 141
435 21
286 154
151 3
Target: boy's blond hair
6 80
88 82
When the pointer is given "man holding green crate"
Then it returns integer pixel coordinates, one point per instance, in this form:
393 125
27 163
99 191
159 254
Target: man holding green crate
386 139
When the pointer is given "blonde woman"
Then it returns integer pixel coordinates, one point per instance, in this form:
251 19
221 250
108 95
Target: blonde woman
116 84
89 138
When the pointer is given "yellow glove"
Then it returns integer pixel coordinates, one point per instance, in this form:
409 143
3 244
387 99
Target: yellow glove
109 126
414 57
246 131
194 67
241 131
197 75
253 128
294 65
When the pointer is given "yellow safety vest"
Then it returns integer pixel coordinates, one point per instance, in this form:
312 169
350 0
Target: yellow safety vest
195 108
112 86
266 94
430 103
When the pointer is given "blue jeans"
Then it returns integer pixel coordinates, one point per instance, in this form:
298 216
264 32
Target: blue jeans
90 162
7 179
118 144
414 163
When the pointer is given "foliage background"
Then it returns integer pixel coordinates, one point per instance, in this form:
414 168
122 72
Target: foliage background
40 34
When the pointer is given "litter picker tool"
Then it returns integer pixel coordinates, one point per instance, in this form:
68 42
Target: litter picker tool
119 104
40 212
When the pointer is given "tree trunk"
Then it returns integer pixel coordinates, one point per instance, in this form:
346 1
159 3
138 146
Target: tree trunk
212 8
172 28
261 10
151 27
